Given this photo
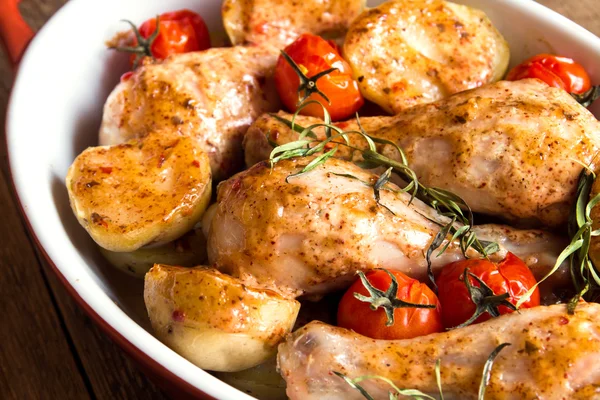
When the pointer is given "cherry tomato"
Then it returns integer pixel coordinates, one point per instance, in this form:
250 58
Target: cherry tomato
408 322
560 72
510 276
314 54
181 31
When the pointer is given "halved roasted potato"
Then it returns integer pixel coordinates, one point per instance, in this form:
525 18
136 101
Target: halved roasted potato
409 52
147 191
187 251
277 23
213 320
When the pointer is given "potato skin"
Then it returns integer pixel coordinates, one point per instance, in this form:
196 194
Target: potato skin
213 320
187 251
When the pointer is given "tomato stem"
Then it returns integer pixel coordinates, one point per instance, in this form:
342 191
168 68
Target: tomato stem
143 48
308 85
588 97
387 300
484 298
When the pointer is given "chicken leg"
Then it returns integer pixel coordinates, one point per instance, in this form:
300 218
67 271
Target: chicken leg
552 355
310 235
511 149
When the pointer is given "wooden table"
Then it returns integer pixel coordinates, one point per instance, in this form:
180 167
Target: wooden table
48 348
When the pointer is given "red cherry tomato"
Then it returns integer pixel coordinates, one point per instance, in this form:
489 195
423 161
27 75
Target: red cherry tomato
314 54
181 31
408 322
560 72
510 276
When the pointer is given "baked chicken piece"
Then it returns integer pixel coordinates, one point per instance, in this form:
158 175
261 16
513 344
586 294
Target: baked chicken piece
213 95
510 149
216 94
310 235
409 52
552 355
277 23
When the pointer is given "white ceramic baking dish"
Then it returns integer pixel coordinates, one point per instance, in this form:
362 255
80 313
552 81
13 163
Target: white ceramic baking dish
54 113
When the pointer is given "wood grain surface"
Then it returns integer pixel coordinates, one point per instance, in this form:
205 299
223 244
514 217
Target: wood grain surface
50 349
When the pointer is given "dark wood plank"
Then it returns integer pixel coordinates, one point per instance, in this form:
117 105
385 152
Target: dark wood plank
111 374
103 366
36 360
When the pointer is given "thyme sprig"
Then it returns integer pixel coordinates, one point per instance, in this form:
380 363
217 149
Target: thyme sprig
484 298
387 300
459 216
417 394
583 273
588 97
143 47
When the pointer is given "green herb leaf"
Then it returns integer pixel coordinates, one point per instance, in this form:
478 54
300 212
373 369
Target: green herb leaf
487 370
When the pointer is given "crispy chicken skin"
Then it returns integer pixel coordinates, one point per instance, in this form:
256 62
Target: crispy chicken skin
511 149
146 191
552 355
311 235
277 23
409 52
214 95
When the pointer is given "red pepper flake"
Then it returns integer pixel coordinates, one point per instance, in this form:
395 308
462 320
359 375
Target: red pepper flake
161 160
178 316
563 320
106 170
196 163
126 76
99 220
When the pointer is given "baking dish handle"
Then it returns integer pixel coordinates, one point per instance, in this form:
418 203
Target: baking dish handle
15 34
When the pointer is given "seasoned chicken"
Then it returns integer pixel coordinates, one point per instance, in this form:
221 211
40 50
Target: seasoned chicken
552 356
146 191
409 52
216 94
511 149
310 235
213 95
277 23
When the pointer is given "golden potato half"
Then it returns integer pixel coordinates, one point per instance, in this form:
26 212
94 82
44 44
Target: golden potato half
147 191
187 251
409 52
213 320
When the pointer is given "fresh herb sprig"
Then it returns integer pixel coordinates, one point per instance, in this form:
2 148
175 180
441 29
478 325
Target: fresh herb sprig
583 273
417 394
459 216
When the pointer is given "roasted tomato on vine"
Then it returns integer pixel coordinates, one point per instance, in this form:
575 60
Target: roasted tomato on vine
178 32
389 305
491 289
311 68
556 71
